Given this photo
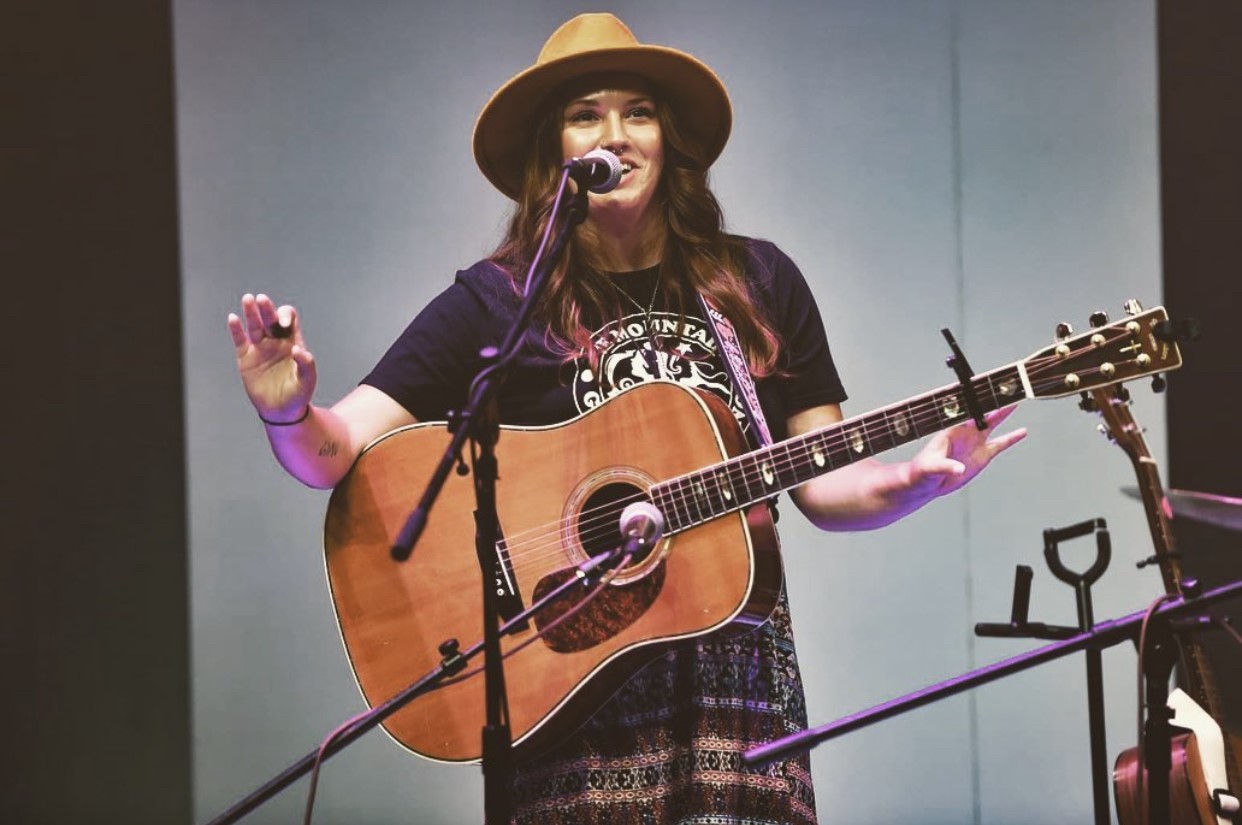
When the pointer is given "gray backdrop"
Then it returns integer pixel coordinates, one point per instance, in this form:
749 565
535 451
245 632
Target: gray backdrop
987 165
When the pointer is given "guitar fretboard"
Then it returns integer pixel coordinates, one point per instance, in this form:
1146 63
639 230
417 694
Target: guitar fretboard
706 494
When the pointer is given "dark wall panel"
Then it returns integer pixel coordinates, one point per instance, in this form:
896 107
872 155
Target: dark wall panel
94 588
1201 183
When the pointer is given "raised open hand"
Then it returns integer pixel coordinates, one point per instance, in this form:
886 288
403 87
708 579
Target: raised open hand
953 457
276 368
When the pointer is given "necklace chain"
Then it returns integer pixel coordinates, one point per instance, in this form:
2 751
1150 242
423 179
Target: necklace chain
653 340
655 291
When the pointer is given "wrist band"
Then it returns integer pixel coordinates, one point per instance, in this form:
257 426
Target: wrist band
287 423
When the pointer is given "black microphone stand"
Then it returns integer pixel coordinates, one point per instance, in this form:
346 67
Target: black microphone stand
1157 671
479 422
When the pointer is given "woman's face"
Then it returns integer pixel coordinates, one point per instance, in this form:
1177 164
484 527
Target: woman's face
622 120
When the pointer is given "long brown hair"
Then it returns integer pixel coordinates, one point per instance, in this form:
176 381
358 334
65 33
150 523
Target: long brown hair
698 255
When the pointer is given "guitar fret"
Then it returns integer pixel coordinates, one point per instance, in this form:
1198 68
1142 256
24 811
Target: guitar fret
902 424
743 471
915 413
731 474
701 497
769 476
720 500
795 463
1011 386
884 439
737 480
725 484
992 392
817 450
951 406
674 500
750 474
684 500
787 467
856 442
663 502
707 502
692 514
743 480
806 464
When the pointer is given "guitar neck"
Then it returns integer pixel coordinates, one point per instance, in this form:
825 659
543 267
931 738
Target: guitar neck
1108 354
701 496
1200 682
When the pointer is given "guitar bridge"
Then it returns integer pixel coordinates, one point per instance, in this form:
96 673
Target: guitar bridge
509 598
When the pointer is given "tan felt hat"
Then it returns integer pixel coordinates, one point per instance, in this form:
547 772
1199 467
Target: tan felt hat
587 44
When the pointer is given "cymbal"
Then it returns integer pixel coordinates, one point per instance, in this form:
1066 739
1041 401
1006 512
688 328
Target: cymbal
1221 511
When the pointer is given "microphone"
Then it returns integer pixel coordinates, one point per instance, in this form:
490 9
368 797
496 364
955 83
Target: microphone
598 170
642 524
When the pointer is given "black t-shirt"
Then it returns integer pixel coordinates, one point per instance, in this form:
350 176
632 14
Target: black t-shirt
428 369
665 745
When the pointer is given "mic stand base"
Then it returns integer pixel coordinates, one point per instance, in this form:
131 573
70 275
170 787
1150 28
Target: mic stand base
454 662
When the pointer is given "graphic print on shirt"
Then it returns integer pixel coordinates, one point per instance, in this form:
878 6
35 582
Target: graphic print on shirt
626 357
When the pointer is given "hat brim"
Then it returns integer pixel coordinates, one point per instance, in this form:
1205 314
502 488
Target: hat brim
505 128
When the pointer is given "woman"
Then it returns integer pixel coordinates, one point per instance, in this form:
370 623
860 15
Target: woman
621 308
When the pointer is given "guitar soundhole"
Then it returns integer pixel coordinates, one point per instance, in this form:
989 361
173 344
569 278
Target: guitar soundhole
599 522
633 590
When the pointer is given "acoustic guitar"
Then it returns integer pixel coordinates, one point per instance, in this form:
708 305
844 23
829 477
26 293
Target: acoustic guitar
1205 759
560 493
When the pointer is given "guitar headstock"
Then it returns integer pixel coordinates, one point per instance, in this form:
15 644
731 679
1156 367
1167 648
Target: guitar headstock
1141 345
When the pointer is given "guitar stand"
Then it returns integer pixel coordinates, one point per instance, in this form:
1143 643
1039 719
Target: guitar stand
1158 662
1019 628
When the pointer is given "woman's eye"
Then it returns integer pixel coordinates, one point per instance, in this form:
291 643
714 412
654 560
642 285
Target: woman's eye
584 116
641 112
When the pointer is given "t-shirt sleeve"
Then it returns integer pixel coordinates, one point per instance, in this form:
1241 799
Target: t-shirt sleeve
427 368
810 378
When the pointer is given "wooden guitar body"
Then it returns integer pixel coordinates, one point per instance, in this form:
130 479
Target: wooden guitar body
560 494
719 575
1189 800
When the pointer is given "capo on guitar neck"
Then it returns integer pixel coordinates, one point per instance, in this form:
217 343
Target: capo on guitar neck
958 363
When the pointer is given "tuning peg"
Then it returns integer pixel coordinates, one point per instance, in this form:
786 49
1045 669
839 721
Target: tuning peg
1132 307
1087 404
1064 330
1123 395
1158 384
1103 430
1098 318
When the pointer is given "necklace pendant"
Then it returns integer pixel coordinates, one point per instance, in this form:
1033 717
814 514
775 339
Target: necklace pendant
653 360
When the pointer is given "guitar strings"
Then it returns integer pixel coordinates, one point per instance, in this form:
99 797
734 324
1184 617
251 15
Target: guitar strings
748 470
599 523
602 525
547 540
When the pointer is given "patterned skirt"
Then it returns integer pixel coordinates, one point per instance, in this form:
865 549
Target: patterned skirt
666 749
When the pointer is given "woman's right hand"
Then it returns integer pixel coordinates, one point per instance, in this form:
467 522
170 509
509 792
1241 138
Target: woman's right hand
276 368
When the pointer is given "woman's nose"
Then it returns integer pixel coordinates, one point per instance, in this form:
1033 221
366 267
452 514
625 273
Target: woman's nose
614 138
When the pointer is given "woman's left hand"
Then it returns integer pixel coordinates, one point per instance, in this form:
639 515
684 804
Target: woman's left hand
953 457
